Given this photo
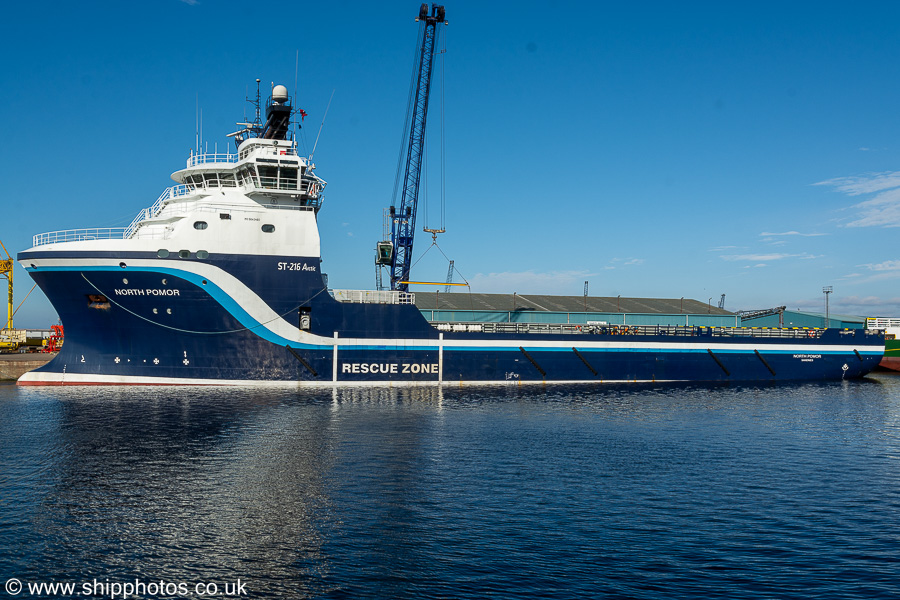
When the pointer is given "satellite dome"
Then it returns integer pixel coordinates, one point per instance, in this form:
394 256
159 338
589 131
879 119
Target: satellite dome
279 93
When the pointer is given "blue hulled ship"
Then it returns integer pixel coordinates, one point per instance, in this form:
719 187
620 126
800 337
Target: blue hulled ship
220 282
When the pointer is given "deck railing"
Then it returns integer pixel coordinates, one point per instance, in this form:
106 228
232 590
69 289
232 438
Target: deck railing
373 297
203 159
79 235
638 330
148 213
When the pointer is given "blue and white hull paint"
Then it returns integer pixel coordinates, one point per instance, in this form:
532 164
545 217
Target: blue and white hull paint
236 320
220 282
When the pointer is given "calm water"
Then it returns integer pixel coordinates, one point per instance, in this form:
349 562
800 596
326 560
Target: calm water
790 491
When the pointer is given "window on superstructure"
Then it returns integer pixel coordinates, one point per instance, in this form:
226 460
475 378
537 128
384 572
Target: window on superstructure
248 176
162 253
268 228
288 178
202 254
226 179
268 176
212 179
184 254
200 224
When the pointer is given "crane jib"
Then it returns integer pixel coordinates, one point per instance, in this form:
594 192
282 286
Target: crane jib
403 219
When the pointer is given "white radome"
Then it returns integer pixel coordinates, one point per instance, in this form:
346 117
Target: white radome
279 93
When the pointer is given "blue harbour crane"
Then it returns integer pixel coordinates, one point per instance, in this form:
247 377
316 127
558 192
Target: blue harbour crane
397 253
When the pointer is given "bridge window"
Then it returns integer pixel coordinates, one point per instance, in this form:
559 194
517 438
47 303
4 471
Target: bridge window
268 176
247 176
288 178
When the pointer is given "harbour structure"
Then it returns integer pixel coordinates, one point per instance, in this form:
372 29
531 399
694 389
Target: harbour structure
579 310
783 317
220 282
891 328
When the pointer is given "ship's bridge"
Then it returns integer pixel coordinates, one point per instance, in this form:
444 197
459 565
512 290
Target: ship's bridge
260 167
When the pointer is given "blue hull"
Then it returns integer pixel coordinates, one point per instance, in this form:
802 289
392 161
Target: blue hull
172 322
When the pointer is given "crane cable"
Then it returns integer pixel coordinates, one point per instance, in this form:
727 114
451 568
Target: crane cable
434 244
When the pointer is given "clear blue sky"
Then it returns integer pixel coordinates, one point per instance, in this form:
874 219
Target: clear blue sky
652 149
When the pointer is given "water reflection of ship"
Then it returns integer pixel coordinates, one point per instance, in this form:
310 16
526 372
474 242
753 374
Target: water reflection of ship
240 477
251 480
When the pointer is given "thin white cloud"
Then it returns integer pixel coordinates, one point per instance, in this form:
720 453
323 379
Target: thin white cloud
623 262
885 270
875 301
530 282
888 265
881 211
864 184
771 234
766 257
866 306
883 208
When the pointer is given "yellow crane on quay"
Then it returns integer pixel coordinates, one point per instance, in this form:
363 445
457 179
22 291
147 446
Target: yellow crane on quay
7 341
6 269
12 339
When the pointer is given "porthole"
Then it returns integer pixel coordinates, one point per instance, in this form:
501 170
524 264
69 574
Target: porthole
155 311
164 282
125 281
204 282
202 254
200 224
168 311
184 254
268 228
162 253
121 264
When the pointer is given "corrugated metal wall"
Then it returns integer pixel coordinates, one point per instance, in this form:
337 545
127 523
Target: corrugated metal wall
794 318
526 316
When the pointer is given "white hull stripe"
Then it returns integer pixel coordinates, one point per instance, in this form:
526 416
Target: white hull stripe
257 316
41 378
